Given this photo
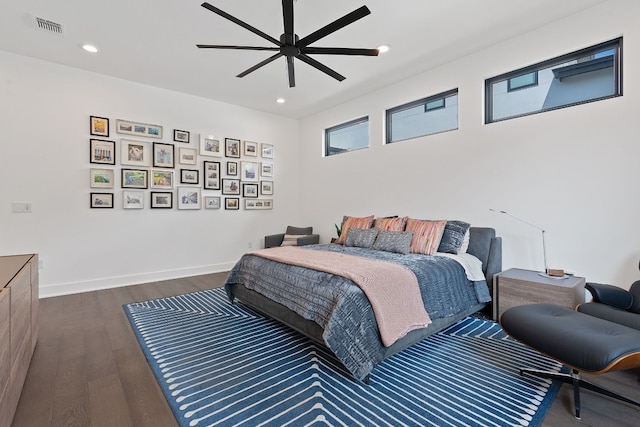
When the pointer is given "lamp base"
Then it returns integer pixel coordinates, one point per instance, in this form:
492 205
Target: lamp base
554 273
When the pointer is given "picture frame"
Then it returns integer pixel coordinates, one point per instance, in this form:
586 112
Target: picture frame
163 155
101 178
232 168
250 190
249 171
250 149
210 146
187 156
266 169
258 204
102 152
212 202
231 186
232 147
101 200
162 179
135 153
181 136
266 188
188 198
99 126
189 176
132 199
134 178
232 203
211 175
140 129
267 151
161 200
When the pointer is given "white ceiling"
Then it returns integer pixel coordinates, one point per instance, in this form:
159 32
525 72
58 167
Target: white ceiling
154 42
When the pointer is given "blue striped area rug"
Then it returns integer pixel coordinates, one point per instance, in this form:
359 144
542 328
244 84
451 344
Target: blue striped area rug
224 365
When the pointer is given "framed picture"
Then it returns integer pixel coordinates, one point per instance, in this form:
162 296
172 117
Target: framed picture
163 155
140 129
250 149
102 200
232 203
102 152
135 153
232 147
258 204
181 136
134 178
188 198
267 151
249 190
161 179
189 176
249 171
232 168
133 199
211 175
266 169
101 178
266 188
212 202
187 156
230 186
98 126
210 146
161 200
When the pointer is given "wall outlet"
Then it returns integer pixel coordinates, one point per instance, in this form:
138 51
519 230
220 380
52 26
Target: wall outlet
21 207
40 262
250 245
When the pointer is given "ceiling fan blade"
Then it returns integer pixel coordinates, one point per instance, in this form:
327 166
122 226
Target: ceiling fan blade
334 26
287 17
220 46
339 51
261 64
241 23
290 72
320 67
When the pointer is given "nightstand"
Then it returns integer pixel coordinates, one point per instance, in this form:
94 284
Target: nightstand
518 287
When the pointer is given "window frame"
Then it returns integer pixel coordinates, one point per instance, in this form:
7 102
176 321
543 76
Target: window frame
615 44
354 122
423 101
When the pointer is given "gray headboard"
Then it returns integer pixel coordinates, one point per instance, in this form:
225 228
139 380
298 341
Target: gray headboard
485 246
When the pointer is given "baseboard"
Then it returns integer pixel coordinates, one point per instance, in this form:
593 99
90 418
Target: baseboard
136 279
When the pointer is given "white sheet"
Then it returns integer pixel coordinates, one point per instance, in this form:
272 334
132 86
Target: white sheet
472 265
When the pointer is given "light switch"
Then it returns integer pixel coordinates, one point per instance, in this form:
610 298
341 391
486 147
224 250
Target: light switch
21 207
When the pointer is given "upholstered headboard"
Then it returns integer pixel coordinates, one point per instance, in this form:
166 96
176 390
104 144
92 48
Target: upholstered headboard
484 245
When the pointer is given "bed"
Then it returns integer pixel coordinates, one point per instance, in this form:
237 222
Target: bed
334 312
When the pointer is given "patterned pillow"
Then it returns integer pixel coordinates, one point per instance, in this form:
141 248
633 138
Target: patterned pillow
355 222
426 235
291 239
361 237
391 224
393 241
453 236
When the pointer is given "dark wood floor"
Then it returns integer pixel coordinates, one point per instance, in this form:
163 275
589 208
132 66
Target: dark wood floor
88 369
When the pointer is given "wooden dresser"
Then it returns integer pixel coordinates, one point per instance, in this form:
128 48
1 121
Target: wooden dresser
18 327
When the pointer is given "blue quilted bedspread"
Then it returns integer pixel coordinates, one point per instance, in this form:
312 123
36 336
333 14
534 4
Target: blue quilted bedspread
342 309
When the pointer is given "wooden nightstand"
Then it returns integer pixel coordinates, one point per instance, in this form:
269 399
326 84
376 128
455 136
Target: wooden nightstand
518 287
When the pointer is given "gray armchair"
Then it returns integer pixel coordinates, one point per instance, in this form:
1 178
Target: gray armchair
306 237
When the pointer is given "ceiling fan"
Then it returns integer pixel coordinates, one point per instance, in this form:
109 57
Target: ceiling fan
290 46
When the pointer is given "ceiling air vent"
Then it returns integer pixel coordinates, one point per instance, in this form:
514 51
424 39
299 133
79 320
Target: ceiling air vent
48 26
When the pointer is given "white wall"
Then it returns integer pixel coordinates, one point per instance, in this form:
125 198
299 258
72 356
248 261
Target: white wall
573 171
44 160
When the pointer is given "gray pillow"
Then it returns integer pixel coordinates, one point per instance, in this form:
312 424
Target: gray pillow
393 241
453 236
361 237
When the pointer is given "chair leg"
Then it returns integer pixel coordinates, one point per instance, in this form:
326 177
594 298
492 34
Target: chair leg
574 379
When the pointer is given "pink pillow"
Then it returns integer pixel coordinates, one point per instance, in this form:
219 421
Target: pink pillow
391 224
351 221
426 235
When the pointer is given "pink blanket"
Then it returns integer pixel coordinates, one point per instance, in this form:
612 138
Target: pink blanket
392 289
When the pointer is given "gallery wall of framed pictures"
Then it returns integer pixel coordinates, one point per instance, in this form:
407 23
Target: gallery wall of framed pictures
187 173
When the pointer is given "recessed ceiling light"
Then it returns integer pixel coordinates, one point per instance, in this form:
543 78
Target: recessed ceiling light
90 48
382 49
280 100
